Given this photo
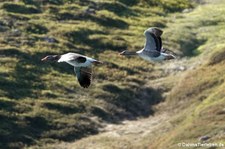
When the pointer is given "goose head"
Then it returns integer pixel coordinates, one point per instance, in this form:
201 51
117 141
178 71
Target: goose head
51 58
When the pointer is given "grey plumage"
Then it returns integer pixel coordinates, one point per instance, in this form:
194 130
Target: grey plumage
152 50
84 76
153 43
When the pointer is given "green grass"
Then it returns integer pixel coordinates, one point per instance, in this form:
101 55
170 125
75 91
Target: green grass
42 103
198 96
193 98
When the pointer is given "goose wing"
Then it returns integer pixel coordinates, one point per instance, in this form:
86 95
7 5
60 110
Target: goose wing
84 76
160 43
152 44
157 32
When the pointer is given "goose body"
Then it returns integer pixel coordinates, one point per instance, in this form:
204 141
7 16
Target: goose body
159 58
82 65
152 50
76 60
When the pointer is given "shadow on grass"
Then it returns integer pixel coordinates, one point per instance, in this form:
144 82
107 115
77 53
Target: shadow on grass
101 20
82 37
119 8
109 22
19 128
65 109
130 71
18 8
128 103
13 133
16 132
129 2
27 74
189 46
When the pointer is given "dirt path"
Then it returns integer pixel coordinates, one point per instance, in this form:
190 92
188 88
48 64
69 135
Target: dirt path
128 134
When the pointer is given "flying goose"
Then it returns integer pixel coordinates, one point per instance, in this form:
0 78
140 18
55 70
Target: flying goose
82 65
152 50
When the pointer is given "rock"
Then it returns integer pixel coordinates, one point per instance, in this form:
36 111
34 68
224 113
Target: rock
187 10
50 39
15 32
181 68
204 138
90 11
3 28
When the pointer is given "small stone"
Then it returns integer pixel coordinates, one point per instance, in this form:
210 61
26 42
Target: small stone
50 39
204 138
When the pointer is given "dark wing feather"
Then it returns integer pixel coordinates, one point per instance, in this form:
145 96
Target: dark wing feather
160 44
84 76
152 44
80 59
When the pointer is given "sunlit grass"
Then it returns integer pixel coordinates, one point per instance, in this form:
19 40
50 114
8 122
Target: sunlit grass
199 95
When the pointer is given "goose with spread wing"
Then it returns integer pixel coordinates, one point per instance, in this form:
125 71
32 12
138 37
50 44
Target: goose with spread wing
152 50
82 65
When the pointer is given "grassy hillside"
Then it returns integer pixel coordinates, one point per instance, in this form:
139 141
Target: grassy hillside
198 96
42 103
194 97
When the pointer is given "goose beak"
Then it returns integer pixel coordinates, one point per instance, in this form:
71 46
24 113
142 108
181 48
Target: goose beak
122 53
44 59
97 62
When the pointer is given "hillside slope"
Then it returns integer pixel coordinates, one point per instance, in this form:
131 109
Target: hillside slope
198 97
195 97
41 104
